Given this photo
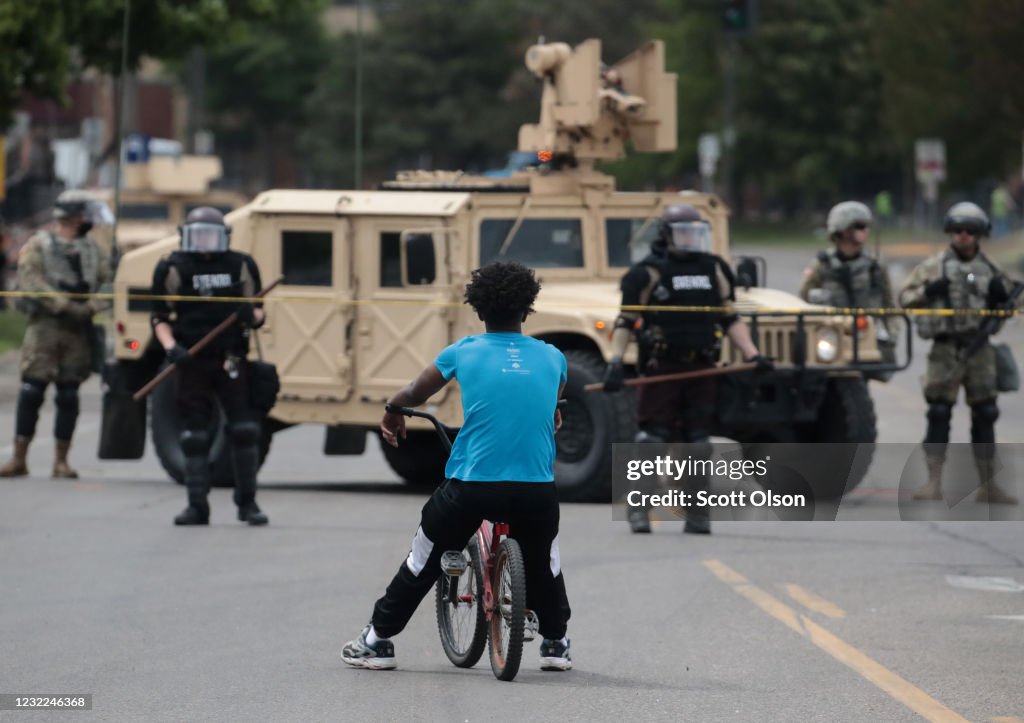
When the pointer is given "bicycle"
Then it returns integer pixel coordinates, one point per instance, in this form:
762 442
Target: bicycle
487 605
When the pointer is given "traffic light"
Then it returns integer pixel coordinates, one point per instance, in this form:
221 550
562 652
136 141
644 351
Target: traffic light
738 16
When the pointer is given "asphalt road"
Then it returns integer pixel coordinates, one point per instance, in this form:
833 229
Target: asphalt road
100 594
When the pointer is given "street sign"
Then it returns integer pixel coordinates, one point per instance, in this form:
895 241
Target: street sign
709 150
930 160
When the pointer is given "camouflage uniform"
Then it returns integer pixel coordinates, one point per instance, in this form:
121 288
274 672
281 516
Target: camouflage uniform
58 338
57 347
973 285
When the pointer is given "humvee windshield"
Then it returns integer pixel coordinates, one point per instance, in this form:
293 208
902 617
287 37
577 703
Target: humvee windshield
536 242
145 211
629 239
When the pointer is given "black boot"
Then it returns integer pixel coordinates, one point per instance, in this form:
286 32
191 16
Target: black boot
245 461
698 517
252 514
196 446
639 521
191 516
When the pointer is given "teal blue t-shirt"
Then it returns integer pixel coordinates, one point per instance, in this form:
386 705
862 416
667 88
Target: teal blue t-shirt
509 386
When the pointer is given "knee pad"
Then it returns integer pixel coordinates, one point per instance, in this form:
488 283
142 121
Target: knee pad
32 391
985 412
939 412
67 397
195 442
244 433
653 434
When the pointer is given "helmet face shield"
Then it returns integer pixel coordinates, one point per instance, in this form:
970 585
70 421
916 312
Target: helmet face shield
204 238
690 236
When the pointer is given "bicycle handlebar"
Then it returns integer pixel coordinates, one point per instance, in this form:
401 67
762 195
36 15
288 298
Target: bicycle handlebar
442 430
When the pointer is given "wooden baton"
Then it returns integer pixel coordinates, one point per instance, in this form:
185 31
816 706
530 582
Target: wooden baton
678 376
198 346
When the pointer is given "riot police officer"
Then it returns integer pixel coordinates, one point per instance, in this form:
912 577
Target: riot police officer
62 264
204 268
679 271
846 276
960 277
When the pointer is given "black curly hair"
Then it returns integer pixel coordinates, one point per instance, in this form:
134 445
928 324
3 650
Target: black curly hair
502 292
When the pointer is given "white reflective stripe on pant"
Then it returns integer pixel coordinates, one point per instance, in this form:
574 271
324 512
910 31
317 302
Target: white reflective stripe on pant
421 548
556 559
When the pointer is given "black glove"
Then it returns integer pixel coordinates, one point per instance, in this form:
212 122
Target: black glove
179 356
937 289
614 376
247 314
764 363
997 293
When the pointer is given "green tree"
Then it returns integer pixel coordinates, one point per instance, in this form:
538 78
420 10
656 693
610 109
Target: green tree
952 71
435 78
40 38
35 59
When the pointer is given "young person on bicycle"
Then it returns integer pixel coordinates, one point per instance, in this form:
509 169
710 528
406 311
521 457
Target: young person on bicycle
501 466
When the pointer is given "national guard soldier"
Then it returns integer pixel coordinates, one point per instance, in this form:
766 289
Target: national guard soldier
679 271
846 276
61 265
960 277
203 269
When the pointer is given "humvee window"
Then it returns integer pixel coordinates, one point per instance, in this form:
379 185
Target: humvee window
629 239
390 259
537 242
145 211
306 258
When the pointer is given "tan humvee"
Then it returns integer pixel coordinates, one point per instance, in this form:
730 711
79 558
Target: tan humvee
157 195
373 284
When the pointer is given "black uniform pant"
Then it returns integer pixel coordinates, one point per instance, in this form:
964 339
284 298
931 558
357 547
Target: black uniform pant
204 382
450 518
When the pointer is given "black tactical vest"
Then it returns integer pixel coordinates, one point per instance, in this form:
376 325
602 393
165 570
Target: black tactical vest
217 275
690 280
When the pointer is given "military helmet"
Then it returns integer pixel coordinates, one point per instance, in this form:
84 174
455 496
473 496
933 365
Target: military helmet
684 230
71 203
205 232
845 215
969 216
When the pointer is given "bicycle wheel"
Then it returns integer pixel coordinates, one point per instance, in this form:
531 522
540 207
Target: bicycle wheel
507 622
462 625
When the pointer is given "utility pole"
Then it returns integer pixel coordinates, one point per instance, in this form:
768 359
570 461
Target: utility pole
357 162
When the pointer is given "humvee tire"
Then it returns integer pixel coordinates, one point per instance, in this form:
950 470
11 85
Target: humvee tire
591 423
419 459
166 427
846 417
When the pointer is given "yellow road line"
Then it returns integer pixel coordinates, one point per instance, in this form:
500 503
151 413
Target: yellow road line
814 603
904 692
1007 719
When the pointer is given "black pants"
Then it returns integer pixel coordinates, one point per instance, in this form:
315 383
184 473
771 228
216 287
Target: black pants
202 383
450 517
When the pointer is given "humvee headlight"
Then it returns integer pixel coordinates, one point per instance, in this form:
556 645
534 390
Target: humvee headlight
826 347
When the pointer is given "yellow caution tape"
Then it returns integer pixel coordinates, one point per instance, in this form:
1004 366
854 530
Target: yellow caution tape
277 298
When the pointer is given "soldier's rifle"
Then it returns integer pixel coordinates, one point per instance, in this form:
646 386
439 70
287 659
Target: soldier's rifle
991 325
198 346
678 376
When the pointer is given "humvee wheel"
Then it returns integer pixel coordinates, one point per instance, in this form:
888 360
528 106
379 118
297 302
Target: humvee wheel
591 423
419 459
166 428
847 418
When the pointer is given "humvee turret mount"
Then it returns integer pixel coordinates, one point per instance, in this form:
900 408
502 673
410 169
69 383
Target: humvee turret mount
373 284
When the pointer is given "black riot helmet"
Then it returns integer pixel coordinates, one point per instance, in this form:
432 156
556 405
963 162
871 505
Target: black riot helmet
684 230
205 232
